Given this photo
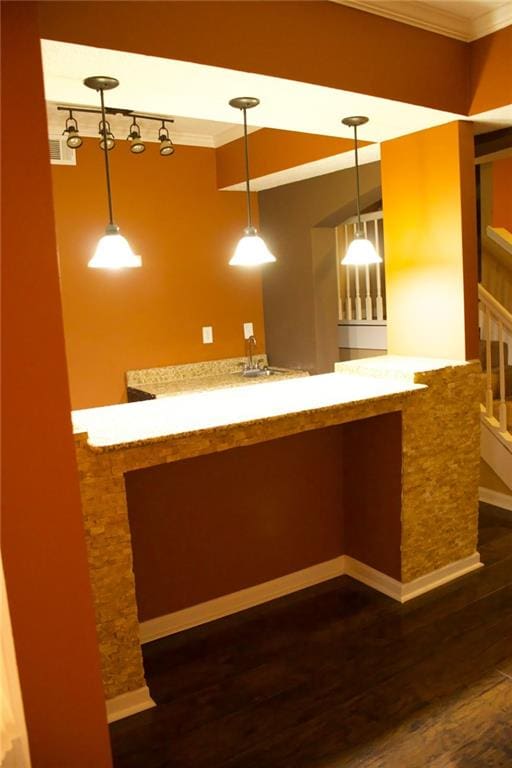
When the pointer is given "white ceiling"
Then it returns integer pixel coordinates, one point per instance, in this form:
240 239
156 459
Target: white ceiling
462 19
184 130
197 97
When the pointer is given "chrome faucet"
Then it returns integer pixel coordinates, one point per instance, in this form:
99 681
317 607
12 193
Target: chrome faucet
250 348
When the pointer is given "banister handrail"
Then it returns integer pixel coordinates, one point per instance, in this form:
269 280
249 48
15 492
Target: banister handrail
501 236
496 322
487 298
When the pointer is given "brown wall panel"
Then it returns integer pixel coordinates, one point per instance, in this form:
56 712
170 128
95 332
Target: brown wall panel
212 525
372 489
215 524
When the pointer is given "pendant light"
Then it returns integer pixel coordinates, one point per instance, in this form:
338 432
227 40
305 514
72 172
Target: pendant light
113 250
361 250
251 250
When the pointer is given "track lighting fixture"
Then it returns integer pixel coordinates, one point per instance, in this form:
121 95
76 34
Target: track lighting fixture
113 250
106 135
251 250
74 140
136 144
166 145
361 250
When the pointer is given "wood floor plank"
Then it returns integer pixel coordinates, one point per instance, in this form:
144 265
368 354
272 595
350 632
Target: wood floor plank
314 679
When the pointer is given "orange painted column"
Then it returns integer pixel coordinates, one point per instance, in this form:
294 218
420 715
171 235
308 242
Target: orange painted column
428 191
43 541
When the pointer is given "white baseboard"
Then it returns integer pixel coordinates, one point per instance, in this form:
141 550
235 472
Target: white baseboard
372 578
404 591
240 601
497 499
439 577
129 704
153 629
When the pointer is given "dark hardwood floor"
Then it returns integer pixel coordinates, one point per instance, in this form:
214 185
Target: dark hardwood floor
339 676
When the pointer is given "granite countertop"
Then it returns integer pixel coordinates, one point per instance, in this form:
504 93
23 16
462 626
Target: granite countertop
128 424
389 381
217 381
199 377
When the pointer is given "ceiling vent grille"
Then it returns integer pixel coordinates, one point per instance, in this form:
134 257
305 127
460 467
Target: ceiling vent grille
60 153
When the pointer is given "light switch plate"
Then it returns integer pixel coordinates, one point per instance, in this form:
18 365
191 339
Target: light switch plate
207 334
248 330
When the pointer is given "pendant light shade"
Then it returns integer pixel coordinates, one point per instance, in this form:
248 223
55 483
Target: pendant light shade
361 250
251 250
113 250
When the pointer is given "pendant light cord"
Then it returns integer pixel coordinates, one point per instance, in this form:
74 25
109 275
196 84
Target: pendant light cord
359 228
247 183
107 165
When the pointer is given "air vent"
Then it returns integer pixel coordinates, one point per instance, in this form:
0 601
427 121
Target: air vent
60 153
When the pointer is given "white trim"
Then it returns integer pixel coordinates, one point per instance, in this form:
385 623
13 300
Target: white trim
362 335
407 591
434 19
153 629
372 578
496 498
129 704
441 576
240 601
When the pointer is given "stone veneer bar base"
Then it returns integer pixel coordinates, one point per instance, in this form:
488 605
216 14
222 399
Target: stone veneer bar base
440 472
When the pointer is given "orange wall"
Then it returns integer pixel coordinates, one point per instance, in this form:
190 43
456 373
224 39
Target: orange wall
314 42
271 150
502 193
185 230
491 71
43 543
428 193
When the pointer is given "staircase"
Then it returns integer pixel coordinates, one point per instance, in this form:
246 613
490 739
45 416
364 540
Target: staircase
496 401
361 293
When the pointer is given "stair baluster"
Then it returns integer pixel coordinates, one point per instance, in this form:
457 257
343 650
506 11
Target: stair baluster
349 296
488 365
379 303
368 297
359 306
502 413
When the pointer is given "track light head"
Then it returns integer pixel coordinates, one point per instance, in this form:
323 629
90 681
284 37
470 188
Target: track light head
105 128
73 140
166 145
137 146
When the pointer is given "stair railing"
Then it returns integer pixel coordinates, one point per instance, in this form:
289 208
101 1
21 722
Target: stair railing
361 295
496 324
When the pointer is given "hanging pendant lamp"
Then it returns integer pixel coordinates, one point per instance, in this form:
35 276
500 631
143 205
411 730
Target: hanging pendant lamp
361 250
113 250
251 250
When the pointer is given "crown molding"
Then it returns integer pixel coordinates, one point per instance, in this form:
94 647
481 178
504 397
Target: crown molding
419 14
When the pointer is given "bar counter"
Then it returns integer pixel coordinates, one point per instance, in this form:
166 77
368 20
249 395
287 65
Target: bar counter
433 511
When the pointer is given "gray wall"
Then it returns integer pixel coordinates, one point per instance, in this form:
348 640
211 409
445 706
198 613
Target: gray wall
300 289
